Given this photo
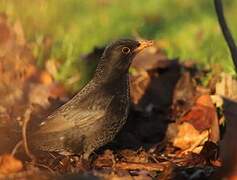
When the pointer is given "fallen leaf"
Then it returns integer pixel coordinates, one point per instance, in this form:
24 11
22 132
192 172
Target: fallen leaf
46 78
52 66
133 156
186 137
227 86
203 116
139 84
9 164
105 160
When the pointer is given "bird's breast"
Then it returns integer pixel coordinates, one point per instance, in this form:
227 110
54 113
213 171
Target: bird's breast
121 102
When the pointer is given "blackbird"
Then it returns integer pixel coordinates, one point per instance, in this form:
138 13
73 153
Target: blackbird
95 114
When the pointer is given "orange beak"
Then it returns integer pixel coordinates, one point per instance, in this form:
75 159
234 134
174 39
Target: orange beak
143 44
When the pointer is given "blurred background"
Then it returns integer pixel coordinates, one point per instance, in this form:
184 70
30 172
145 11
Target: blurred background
183 28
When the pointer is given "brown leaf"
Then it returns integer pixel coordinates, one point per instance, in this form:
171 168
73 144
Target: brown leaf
203 116
133 156
139 84
196 127
57 91
186 137
227 87
105 160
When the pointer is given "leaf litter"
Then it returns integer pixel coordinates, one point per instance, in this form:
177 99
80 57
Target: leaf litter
175 127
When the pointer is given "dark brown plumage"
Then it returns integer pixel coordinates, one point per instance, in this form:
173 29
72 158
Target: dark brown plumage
95 115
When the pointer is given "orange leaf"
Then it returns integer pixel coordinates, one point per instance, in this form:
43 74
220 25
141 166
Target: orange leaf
9 164
46 78
202 114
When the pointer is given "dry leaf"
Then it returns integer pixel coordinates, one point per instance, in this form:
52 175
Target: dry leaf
186 137
227 87
106 159
46 78
52 66
139 84
203 116
133 156
9 164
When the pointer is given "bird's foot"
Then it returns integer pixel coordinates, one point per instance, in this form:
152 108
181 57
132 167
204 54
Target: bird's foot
86 160
80 163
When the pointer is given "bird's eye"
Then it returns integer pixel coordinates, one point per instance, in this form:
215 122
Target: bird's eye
125 50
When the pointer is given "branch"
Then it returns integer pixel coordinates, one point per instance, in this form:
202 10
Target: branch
226 32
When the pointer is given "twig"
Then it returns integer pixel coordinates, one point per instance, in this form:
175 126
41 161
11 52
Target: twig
16 148
226 31
135 166
44 166
24 134
26 120
140 166
56 159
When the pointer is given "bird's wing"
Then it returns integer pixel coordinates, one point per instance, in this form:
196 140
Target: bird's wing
56 122
77 112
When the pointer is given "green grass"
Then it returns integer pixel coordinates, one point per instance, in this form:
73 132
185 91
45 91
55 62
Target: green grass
189 28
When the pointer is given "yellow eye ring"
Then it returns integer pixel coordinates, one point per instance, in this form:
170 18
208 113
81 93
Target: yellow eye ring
125 50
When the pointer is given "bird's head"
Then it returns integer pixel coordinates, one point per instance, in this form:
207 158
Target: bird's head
117 56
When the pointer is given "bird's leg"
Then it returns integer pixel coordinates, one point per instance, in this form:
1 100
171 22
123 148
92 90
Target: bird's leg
113 162
85 158
86 155
84 163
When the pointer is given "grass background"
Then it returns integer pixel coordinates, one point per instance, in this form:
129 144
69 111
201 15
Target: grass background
188 29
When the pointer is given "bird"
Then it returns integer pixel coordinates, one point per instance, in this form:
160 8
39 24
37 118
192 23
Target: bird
94 116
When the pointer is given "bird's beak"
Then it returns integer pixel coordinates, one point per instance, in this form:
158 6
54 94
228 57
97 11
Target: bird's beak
143 44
